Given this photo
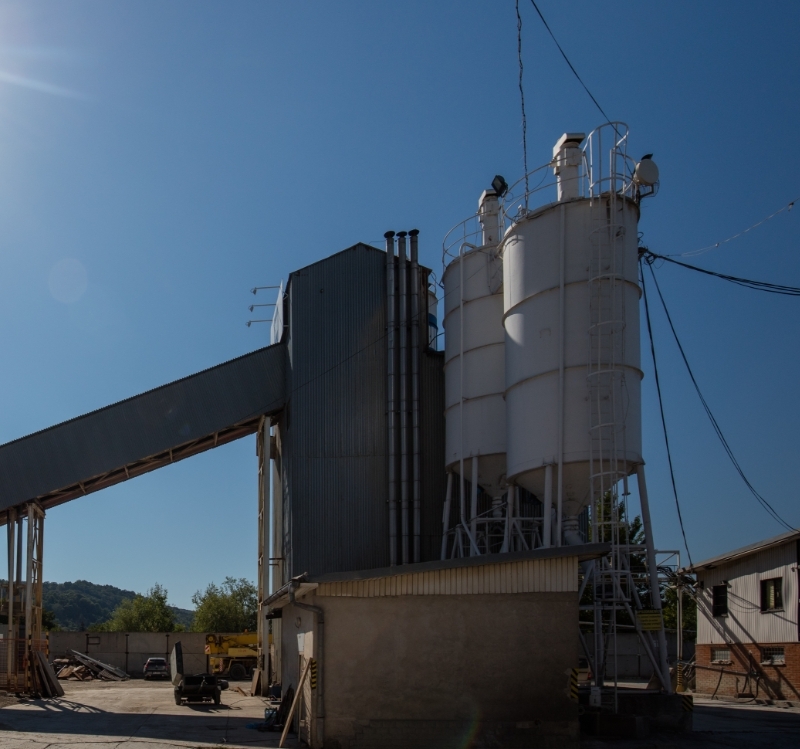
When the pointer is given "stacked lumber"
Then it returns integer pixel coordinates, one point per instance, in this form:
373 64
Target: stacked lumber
85 668
44 678
68 670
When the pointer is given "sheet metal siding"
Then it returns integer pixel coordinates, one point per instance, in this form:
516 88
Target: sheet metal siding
432 446
145 425
524 576
335 460
745 621
730 556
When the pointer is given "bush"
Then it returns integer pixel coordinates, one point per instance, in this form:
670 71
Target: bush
148 613
230 607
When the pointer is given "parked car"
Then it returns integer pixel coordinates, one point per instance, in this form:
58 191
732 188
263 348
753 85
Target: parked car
156 668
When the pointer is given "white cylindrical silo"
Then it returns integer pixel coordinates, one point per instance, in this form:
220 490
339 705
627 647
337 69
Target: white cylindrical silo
474 357
572 358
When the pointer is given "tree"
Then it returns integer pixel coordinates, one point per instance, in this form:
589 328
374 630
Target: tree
49 623
632 531
230 607
148 613
689 608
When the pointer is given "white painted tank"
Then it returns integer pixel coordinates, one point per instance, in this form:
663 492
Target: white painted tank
563 265
482 383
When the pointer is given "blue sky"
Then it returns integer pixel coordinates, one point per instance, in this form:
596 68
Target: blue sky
157 160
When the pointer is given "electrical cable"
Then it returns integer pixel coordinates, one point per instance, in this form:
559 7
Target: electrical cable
522 101
571 66
772 288
787 207
663 417
762 501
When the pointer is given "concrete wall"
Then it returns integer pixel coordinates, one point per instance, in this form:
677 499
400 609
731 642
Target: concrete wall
442 670
130 650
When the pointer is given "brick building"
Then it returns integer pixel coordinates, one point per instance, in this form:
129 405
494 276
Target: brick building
747 621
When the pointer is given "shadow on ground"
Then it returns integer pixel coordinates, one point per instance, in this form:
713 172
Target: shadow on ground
116 713
733 726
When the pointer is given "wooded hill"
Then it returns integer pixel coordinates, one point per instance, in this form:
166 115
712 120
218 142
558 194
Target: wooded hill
80 605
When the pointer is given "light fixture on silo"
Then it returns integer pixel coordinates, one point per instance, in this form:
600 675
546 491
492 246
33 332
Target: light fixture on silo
499 185
646 172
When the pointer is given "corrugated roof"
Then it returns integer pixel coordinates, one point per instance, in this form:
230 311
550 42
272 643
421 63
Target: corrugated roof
744 551
144 432
583 552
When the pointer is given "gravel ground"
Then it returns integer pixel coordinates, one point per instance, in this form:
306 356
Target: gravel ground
137 713
106 715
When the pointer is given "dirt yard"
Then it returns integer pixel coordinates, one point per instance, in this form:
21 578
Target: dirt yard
141 713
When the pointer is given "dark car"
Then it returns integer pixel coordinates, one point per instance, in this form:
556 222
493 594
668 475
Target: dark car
156 668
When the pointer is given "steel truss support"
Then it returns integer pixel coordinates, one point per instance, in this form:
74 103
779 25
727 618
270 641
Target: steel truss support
22 597
613 580
499 529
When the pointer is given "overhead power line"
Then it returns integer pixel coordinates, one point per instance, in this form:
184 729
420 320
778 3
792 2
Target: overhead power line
761 500
787 207
772 288
571 66
522 101
663 418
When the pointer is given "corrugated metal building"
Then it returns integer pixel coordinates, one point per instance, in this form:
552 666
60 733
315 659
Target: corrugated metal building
748 642
330 441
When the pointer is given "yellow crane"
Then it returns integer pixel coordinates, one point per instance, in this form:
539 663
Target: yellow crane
233 655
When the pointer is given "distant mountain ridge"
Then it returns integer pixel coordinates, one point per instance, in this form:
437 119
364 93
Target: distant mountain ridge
80 605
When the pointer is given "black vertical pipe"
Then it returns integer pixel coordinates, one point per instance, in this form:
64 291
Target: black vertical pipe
391 409
415 339
404 493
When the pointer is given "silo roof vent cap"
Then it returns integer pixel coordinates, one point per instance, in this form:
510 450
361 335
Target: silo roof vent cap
568 140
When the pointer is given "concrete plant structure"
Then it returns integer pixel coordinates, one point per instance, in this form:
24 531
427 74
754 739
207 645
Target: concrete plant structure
424 516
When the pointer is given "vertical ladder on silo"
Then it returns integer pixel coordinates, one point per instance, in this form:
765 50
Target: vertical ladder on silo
613 582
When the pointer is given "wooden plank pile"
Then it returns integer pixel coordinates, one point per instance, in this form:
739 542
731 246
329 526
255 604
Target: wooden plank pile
44 678
67 669
85 668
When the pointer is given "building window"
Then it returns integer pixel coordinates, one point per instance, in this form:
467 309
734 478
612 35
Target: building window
720 655
773 656
719 596
772 594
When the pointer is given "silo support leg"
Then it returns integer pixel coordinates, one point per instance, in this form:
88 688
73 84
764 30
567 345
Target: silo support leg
547 510
652 570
